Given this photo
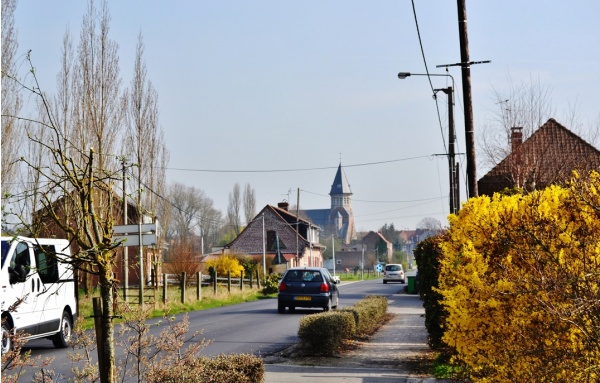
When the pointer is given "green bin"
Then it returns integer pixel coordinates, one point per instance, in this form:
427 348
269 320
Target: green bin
411 285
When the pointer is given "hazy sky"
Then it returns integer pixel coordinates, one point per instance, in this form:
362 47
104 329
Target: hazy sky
253 86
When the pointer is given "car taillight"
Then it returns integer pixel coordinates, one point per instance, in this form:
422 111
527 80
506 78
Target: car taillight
324 288
282 286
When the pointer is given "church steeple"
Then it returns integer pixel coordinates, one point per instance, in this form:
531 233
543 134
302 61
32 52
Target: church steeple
340 184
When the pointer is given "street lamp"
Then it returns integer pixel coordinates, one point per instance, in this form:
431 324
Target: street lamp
452 165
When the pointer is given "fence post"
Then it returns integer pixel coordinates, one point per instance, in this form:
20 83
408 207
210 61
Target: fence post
257 279
250 279
241 280
215 283
199 286
183 287
164 288
229 281
98 319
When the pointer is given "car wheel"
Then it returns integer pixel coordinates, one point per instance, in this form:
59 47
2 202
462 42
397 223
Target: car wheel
63 336
337 301
280 308
6 336
328 307
384 281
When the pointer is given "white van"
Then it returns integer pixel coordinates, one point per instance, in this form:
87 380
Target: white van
35 270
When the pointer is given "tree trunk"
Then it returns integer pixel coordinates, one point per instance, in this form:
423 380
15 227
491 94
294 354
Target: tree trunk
109 375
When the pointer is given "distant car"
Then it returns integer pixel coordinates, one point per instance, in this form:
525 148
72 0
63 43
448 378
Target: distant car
336 278
307 287
393 273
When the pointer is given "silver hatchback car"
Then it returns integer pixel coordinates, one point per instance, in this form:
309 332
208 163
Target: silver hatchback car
393 272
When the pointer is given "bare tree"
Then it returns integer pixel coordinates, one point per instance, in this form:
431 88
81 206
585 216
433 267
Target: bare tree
11 101
144 139
100 113
233 209
430 224
249 203
525 105
76 200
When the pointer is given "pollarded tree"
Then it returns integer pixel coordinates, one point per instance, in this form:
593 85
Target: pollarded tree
76 198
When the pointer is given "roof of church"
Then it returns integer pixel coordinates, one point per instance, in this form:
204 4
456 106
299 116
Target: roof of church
340 183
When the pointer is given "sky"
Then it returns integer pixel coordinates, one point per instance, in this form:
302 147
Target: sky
278 93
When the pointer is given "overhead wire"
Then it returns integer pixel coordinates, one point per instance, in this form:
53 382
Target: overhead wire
428 75
295 170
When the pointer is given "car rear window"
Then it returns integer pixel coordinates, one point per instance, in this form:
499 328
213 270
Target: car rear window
393 268
303 276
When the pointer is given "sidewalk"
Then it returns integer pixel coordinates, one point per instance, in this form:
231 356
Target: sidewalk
391 355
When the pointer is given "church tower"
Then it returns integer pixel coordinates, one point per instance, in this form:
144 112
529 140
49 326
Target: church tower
341 214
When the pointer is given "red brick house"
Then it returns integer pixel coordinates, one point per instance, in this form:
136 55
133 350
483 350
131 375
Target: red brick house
46 227
372 243
547 157
296 238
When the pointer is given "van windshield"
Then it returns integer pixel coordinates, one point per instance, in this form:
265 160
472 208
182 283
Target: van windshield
5 248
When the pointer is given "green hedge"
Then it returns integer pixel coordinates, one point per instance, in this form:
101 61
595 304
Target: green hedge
239 368
323 333
427 256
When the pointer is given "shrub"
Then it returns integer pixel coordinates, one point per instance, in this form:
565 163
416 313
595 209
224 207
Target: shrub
272 284
520 283
368 313
427 256
239 368
323 333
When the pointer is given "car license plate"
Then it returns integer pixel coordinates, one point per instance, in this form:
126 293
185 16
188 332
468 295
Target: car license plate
302 298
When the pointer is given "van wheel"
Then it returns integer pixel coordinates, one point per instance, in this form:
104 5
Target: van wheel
7 343
61 339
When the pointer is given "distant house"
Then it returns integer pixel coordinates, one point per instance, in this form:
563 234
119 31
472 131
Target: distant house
409 240
547 157
275 230
46 227
339 218
366 253
375 242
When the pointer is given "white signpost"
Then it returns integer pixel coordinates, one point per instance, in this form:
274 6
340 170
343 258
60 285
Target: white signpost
133 235
129 235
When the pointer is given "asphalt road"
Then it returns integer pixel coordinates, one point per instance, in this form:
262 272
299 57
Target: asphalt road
254 327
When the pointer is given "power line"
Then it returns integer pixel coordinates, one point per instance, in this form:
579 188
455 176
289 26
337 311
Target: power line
437 106
295 170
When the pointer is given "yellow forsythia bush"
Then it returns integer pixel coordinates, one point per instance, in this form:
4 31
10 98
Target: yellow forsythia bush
520 279
225 264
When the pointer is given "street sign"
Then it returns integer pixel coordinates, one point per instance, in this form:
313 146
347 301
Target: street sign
134 239
129 235
134 229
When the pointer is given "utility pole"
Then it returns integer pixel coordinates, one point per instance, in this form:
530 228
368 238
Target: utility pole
465 65
125 251
454 198
468 100
298 227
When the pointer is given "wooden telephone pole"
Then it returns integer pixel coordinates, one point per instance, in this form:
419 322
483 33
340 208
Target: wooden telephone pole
465 65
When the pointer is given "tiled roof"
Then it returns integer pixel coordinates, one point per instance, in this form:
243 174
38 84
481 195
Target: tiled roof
547 157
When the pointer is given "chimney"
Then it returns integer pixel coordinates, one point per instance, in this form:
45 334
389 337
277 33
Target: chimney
516 138
283 205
